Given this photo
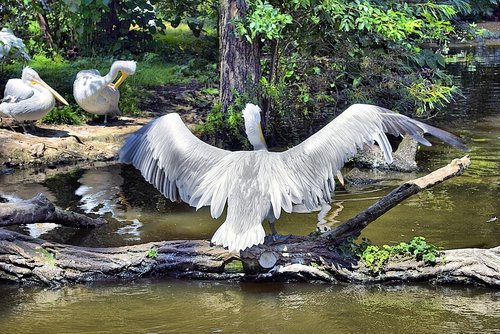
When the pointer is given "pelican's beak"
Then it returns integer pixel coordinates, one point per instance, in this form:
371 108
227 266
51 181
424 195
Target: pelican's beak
56 94
340 177
120 80
262 136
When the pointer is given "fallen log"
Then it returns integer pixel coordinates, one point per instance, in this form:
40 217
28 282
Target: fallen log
353 227
40 210
28 260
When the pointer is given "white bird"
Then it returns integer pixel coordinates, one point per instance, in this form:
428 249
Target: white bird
259 184
28 98
10 45
97 94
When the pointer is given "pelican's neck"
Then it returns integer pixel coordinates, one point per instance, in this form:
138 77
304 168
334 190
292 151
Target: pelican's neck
255 135
113 73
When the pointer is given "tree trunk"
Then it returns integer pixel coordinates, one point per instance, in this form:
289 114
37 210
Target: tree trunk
44 26
266 101
239 59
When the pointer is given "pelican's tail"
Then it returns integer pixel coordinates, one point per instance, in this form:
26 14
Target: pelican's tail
236 241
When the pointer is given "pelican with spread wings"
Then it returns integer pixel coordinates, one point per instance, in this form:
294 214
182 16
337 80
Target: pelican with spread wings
257 185
28 98
98 94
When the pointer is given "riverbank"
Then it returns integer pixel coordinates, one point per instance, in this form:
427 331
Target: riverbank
57 145
62 144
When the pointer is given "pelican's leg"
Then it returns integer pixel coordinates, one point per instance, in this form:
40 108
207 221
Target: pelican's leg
275 236
105 119
24 128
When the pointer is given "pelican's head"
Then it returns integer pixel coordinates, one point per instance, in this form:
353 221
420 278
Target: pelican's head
253 129
126 67
32 78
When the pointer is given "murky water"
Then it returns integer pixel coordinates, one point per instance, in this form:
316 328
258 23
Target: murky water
459 213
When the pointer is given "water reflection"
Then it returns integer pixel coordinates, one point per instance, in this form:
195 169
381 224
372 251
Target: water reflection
101 193
202 307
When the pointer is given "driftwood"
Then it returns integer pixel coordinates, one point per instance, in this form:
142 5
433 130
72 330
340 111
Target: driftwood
29 260
353 227
40 210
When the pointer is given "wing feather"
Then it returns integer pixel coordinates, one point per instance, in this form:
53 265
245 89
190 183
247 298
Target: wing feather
172 159
314 162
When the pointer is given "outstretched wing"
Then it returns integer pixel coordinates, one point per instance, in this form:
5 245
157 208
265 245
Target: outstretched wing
170 157
314 163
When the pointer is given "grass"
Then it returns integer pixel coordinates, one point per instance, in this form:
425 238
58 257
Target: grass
179 58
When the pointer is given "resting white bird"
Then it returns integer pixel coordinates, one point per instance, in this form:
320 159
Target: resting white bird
97 94
259 184
10 45
28 98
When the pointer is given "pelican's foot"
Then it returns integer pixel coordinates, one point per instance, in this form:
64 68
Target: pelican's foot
275 237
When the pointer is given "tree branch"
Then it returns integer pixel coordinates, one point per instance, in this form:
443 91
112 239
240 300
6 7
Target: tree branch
40 210
353 227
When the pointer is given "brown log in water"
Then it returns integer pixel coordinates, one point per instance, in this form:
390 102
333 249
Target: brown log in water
24 259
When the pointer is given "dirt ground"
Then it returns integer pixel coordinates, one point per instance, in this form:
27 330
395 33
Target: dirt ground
55 145
60 145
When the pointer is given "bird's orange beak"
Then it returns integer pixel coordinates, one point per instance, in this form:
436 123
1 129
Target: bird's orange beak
121 79
56 94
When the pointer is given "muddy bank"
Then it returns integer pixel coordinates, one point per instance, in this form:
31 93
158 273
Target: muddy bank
60 145
56 145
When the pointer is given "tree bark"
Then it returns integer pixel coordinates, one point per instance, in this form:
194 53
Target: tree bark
44 26
40 210
239 59
28 260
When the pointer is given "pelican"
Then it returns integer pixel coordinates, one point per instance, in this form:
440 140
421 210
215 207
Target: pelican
257 185
28 98
97 94
9 42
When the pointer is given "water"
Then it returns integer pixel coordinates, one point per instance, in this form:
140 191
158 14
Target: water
206 307
459 213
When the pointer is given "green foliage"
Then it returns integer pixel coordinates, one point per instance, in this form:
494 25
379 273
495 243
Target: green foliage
89 27
475 9
226 129
198 15
264 20
375 257
333 53
130 98
430 95
152 253
64 115
235 266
